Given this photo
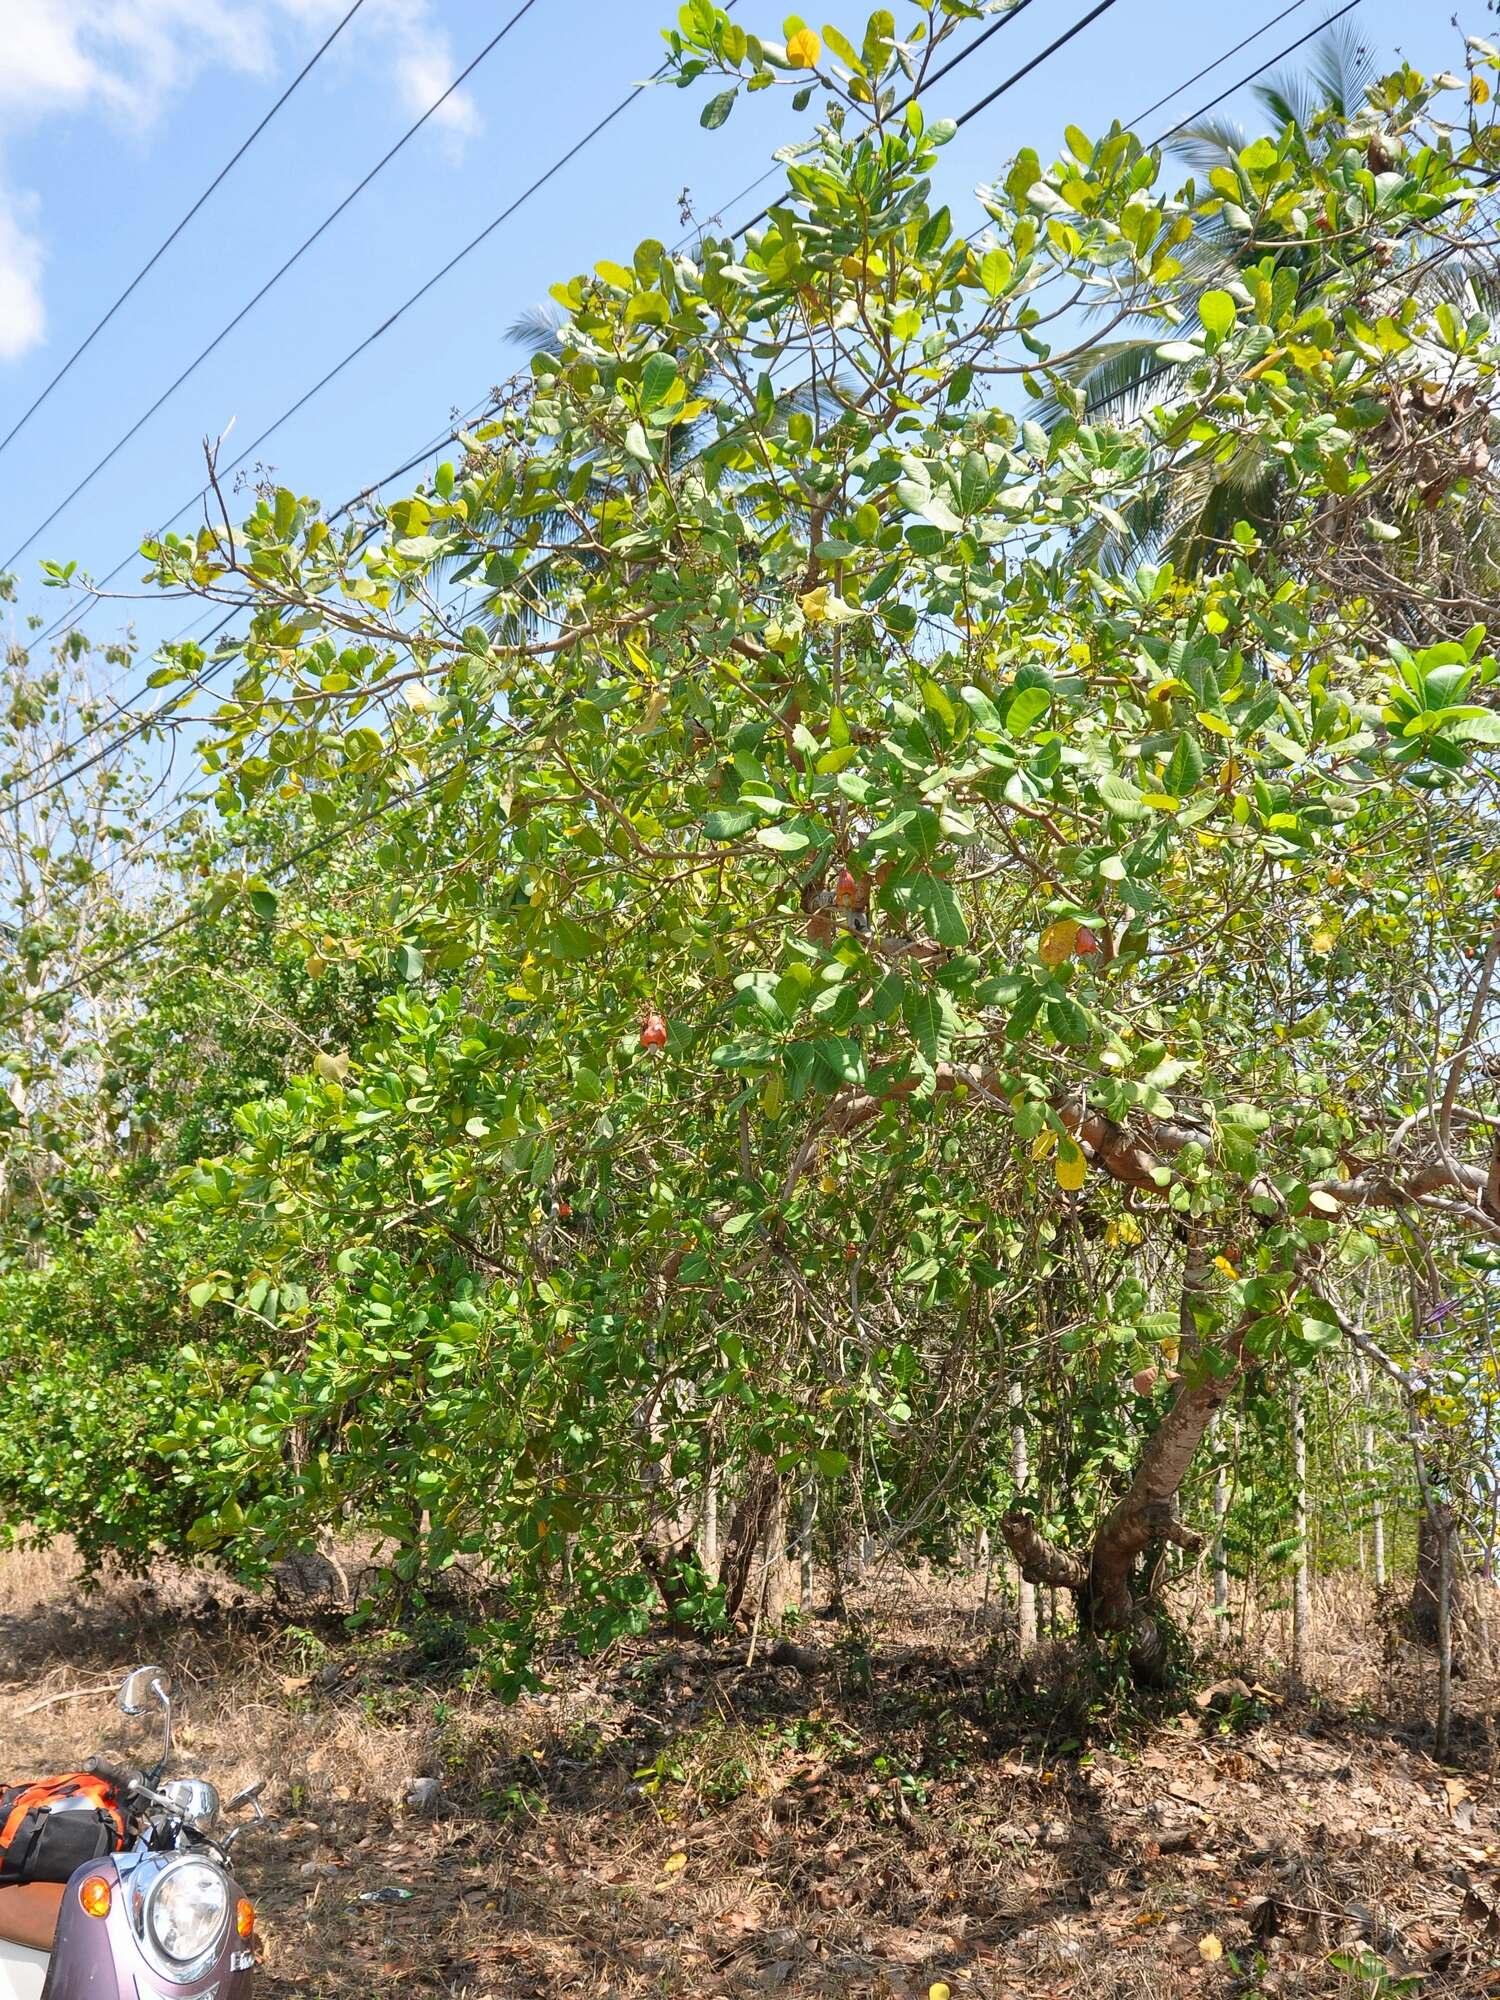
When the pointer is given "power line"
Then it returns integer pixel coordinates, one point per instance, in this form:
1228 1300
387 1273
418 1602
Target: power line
1208 68
343 831
1230 89
1036 61
230 164
962 56
274 280
474 242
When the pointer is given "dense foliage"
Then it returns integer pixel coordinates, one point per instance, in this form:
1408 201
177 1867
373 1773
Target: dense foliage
778 930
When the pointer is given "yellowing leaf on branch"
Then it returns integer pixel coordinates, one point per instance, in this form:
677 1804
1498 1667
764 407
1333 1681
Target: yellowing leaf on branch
1070 1166
1057 941
803 49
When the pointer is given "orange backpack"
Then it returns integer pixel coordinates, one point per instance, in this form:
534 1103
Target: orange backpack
54 1825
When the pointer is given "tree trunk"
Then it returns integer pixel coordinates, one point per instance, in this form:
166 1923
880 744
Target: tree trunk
1368 1470
805 1548
1445 1631
710 1546
1433 1532
1105 1581
1300 1606
748 1529
1020 1472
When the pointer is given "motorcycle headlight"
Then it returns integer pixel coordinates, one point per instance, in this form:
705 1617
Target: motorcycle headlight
187 1910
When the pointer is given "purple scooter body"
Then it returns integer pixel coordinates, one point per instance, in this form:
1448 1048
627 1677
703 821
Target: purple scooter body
171 1931
106 1958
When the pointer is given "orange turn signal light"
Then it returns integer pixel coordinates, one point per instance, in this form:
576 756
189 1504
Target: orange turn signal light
94 1895
244 1916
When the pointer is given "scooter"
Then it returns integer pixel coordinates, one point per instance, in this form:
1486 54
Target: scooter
162 1918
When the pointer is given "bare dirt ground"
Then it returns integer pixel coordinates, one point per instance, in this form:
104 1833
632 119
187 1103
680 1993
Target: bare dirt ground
912 1814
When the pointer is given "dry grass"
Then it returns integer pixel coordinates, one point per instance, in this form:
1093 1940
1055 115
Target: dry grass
922 1808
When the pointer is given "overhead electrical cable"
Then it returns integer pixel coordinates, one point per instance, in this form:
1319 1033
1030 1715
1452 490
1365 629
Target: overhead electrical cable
1209 68
326 840
167 241
1230 88
474 242
275 278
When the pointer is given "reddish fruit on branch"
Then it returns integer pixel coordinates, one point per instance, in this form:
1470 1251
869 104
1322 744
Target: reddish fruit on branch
653 1031
845 891
1085 944
1143 1381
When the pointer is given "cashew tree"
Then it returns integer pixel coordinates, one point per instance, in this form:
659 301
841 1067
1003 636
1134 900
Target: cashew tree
855 962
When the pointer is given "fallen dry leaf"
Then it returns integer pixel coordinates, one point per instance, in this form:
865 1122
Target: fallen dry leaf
1210 1948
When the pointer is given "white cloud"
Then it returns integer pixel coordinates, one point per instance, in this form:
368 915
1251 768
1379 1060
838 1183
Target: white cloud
129 58
23 320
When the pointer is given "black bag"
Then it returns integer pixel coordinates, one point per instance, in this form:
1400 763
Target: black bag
54 1825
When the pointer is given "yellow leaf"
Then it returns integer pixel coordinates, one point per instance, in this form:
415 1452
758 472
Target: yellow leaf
1057 942
803 50
1160 801
674 1864
1223 1264
1043 1143
1216 723
1479 91
815 604
1128 1230
1210 1948
1070 1166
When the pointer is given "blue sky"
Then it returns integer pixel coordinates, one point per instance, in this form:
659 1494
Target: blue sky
115 113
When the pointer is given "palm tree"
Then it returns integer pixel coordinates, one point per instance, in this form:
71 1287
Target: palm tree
1188 516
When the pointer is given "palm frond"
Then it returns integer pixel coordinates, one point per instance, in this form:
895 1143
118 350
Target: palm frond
538 329
1209 143
1343 69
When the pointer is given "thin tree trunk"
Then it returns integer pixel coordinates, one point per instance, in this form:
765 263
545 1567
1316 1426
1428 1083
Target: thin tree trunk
1445 1633
1020 1472
1300 1605
1221 1565
1367 1469
710 1547
805 1548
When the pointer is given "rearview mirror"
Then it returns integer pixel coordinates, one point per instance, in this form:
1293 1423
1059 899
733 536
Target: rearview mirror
144 1690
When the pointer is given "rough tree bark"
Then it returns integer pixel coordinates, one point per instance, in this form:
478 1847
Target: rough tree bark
1138 1154
1105 1581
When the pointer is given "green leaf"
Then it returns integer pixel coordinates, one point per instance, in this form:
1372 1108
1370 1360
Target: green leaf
1122 798
658 379
408 963
1216 310
263 902
1029 706
940 910
729 822
932 1020
1185 770
717 109
783 839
